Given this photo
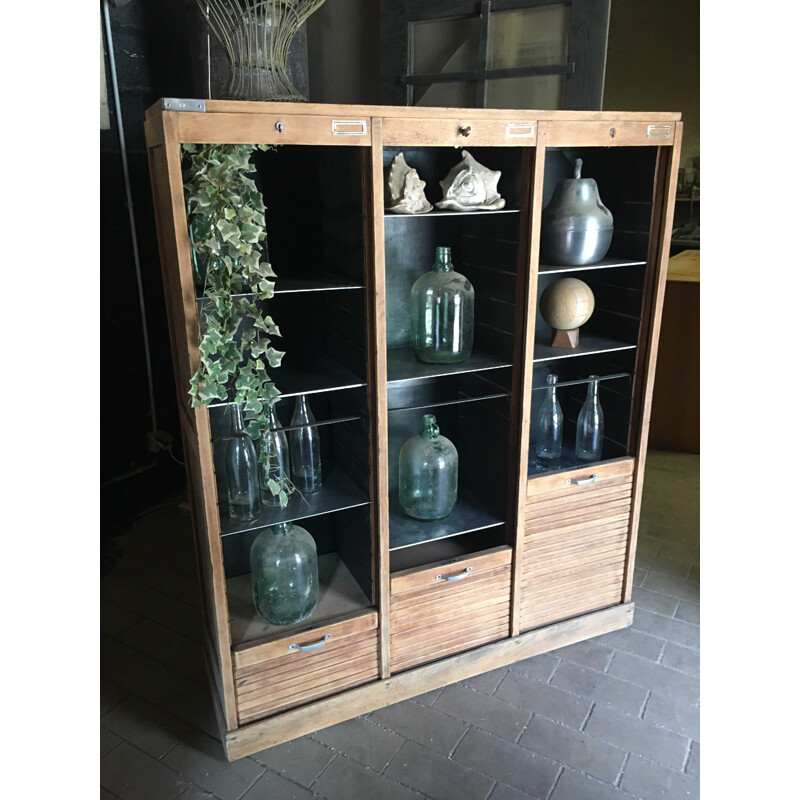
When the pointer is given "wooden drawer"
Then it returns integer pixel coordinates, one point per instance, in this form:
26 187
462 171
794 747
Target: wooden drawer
281 674
622 133
272 128
459 132
576 542
448 607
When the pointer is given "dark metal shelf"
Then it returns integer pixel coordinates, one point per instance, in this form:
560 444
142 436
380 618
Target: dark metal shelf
321 282
605 263
437 213
402 365
338 492
588 345
578 381
469 514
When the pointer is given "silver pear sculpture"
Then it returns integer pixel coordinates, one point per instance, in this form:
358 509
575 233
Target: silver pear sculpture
405 190
469 186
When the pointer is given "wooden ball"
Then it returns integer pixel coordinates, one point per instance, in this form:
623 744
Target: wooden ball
567 303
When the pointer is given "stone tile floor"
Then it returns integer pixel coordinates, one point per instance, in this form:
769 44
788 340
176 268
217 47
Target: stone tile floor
616 717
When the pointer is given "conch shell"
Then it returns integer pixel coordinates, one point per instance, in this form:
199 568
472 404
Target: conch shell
469 186
405 190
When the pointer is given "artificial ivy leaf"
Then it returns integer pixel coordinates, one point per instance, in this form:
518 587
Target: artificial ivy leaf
274 356
253 404
284 498
230 213
228 230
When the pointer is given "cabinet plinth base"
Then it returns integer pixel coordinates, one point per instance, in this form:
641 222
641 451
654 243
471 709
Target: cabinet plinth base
281 728
567 338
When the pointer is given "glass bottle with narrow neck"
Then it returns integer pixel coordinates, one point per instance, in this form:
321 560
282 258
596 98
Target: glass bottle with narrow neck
304 446
442 313
241 471
428 473
275 462
284 573
549 428
589 432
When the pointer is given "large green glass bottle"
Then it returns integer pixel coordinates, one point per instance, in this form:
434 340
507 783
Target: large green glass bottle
428 473
442 313
284 571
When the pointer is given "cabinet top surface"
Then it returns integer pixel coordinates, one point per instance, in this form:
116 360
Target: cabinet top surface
414 112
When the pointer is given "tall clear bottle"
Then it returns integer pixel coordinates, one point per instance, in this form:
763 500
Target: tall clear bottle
442 313
241 471
274 465
549 428
284 573
589 434
304 447
428 473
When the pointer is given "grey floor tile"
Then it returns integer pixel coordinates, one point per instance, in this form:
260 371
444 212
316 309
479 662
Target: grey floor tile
545 700
574 749
530 772
108 741
502 791
653 782
667 628
421 724
486 682
633 641
347 780
688 612
482 711
606 689
132 775
654 601
114 654
301 760
271 786
668 712
693 764
540 667
195 792
684 659
111 693
115 618
175 614
436 776
574 785
659 678
202 761
667 584
638 736
362 741
156 641
146 726
589 653
429 698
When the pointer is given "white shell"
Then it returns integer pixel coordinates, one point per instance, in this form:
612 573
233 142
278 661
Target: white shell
405 190
469 186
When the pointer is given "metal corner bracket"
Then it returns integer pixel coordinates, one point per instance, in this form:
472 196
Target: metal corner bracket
182 104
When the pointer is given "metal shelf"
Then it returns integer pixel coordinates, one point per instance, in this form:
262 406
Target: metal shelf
588 345
402 365
469 514
605 263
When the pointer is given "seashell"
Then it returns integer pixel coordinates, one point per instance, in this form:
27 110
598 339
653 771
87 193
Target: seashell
469 186
405 190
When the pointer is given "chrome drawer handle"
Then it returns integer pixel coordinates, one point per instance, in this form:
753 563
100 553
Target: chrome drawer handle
582 481
304 648
659 131
349 127
459 577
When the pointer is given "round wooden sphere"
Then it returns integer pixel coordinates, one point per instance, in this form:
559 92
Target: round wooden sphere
567 303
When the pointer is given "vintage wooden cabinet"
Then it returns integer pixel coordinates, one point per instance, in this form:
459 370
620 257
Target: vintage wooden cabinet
528 561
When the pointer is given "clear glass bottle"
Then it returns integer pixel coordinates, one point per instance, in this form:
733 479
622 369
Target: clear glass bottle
442 312
549 428
241 471
274 466
428 473
284 573
305 449
589 433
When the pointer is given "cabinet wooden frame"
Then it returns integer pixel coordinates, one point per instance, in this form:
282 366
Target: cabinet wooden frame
373 128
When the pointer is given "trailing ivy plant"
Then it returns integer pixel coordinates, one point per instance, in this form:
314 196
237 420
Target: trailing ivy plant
227 228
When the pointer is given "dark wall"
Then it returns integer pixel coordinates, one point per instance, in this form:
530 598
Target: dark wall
151 51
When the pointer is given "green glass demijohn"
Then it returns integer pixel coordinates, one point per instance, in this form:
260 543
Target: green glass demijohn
442 313
285 575
428 473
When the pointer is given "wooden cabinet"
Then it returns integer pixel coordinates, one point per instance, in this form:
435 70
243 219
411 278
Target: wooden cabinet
531 558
